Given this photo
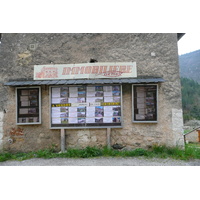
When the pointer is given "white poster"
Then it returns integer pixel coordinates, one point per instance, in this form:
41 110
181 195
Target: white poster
107 88
108 99
91 99
90 89
108 94
73 120
72 109
73 91
139 116
90 120
72 114
55 109
23 111
73 100
107 119
24 98
56 120
56 114
90 114
91 94
55 92
25 103
108 114
108 111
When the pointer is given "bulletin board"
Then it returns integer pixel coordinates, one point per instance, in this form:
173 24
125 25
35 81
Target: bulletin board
88 106
28 105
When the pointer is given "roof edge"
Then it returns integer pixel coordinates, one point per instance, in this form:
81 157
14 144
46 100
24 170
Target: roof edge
180 35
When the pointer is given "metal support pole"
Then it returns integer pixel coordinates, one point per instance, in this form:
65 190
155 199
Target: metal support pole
108 137
62 140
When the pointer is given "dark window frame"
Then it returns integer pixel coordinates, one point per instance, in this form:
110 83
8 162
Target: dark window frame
148 113
31 104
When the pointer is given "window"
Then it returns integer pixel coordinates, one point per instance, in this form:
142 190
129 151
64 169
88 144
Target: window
95 106
144 103
28 105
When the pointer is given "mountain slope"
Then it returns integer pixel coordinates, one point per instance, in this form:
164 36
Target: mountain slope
190 65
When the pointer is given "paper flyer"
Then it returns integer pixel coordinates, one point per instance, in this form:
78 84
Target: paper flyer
57 114
90 114
24 98
73 100
108 94
73 120
56 120
91 99
55 92
91 94
25 103
107 119
24 92
72 114
107 88
55 110
73 92
90 89
108 99
72 109
90 120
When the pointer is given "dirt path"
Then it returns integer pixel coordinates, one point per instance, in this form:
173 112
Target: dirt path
102 161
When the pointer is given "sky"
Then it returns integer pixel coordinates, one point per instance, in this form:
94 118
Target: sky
188 43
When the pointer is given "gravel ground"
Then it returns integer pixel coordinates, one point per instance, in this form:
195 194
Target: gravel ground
102 161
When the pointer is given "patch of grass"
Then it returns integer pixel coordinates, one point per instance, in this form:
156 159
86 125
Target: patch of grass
134 153
110 152
88 152
190 152
165 152
187 131
6 156
195 145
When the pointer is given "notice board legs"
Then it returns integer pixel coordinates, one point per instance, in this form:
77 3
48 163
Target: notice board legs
108 137
62 140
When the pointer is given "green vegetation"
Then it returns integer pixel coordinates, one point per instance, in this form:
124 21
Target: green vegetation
190 99
190 152
187 131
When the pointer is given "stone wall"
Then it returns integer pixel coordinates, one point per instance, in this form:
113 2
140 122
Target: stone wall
1 129
192 137
154 54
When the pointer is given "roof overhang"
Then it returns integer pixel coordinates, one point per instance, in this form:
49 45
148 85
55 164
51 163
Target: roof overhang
138 80
180 35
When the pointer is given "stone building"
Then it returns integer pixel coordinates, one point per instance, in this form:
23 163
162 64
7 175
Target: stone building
112 88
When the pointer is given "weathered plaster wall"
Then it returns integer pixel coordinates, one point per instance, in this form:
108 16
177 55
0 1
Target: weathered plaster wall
17 58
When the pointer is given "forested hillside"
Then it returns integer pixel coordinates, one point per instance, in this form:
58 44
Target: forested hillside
190 99
190 65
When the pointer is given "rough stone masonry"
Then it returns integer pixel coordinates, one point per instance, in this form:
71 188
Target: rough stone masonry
155 55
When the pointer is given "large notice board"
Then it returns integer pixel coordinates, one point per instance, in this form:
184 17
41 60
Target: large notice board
96 106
